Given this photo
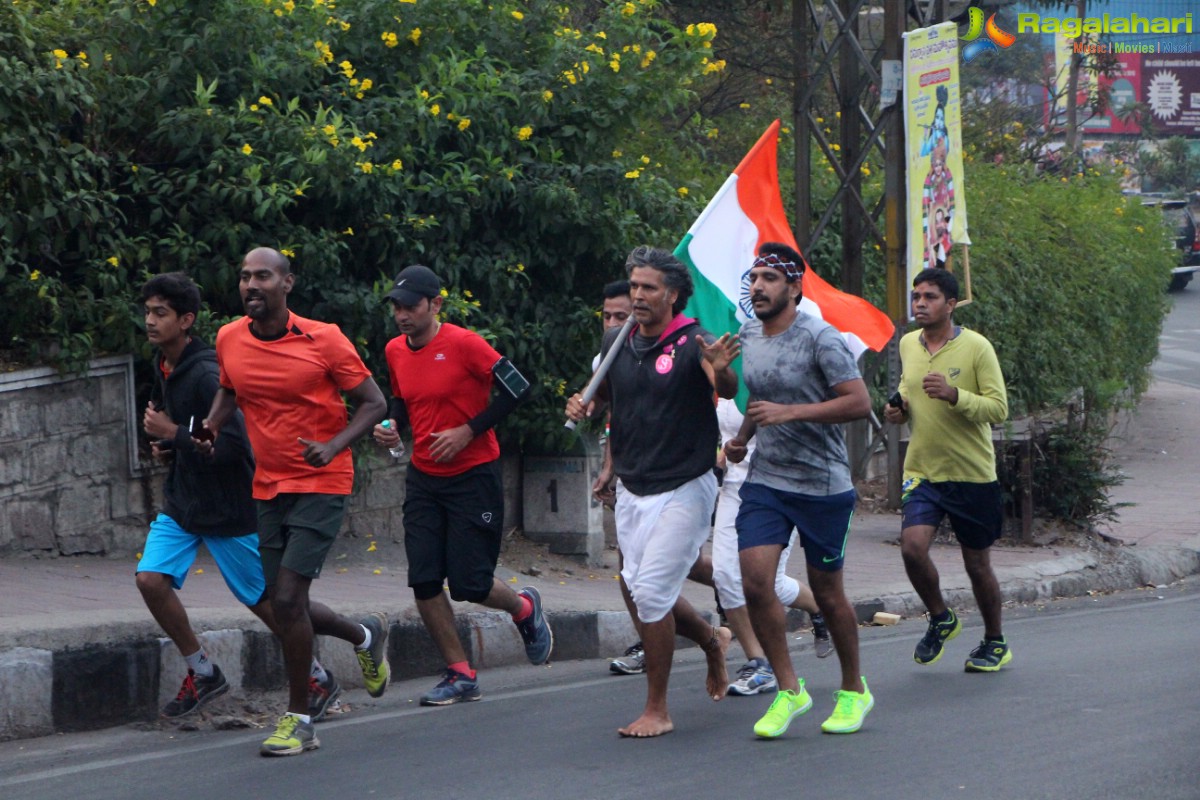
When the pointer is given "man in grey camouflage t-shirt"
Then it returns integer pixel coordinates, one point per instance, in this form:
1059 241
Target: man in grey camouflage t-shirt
803 382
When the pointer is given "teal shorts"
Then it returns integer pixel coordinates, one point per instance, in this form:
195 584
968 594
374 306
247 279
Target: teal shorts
170 550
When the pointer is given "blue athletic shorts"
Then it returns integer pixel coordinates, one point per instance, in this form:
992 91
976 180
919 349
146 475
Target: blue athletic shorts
170 550
767 516
976 510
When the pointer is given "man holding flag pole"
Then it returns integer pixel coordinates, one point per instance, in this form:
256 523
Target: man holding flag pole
660 381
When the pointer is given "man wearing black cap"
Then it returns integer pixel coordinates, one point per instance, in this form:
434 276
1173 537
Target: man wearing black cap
442 378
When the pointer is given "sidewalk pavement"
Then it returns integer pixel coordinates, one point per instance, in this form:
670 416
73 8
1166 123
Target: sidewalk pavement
79 650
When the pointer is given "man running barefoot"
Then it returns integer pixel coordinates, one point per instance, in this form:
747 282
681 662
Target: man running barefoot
663 441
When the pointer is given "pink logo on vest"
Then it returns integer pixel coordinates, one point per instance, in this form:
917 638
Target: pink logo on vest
663 364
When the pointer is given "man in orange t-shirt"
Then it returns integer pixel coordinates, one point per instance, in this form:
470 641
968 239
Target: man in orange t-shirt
288 375
442 378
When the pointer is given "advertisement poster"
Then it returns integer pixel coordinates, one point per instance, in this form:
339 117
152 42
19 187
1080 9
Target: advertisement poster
937 212
1171 89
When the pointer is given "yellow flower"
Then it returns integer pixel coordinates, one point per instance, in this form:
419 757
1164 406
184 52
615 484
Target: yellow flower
464 123
329 130
601 35
547 96
347 69
372 548
288 252
414 36
36 275
359 143
629 9
648 59
517 15
113 260
712 133
298 191
390 39
633 174
397 165
365 166
866 171
324 51
715 66
615 64
682 191
570 76
424 94
595 48
785 130
835 147
1119 211
743 105
247 149
435 109
444 293
1140 229
645 159
289 6
349 231
367 84
820 120
524 133
345 26
617 154
152 2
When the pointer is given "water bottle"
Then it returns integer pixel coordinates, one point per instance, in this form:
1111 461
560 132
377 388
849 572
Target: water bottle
396 452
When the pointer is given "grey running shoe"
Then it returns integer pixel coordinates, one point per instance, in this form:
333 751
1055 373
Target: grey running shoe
373 660
755 677
632 663
195 692
535 630
821 641
454 687
321 695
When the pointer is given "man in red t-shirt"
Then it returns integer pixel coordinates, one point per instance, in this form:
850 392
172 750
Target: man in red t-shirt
288 375
442 378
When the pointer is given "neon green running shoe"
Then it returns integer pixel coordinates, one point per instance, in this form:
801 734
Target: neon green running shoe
850 710
990 656
929 649
373 661
291 737
786 707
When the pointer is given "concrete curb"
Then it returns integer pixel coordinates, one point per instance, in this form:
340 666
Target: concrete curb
49 684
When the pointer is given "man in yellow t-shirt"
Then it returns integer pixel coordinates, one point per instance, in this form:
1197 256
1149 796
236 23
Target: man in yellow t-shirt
952 391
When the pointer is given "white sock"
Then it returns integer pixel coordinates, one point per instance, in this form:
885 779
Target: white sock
301 717
198 663
319 672
366 645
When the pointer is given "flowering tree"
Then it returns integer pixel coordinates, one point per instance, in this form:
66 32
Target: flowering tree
519 148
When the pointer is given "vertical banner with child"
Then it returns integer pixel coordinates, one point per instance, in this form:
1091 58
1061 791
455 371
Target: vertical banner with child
937 209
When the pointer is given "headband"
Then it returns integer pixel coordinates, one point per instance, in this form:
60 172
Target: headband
791 270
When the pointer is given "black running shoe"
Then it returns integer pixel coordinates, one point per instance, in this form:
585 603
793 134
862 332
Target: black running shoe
195 692
929 649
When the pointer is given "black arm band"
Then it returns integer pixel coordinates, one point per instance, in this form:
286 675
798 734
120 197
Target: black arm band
398 411
501 406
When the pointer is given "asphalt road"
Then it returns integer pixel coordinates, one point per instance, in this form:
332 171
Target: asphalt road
1100 701
1179 344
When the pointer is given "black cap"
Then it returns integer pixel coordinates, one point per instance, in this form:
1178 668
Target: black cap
414 283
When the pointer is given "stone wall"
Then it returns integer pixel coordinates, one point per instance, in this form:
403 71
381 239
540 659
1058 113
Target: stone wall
70 482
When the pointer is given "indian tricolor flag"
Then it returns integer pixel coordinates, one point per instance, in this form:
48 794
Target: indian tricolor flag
721 245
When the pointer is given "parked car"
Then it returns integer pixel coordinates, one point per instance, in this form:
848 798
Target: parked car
1182 218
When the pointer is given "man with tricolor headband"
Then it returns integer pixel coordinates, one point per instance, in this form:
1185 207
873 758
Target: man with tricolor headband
803 383
663 431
